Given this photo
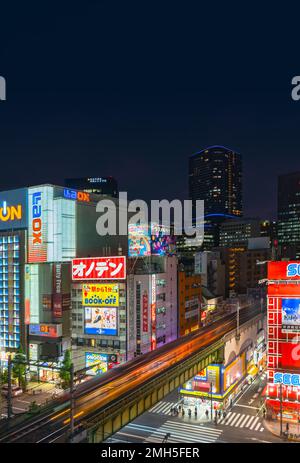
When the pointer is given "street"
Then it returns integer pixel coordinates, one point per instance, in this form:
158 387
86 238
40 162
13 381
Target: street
243 422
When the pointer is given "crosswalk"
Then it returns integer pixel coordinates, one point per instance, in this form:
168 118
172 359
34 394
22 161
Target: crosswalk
163 408
178 432
241 420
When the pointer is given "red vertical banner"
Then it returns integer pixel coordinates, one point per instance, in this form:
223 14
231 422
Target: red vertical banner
145 312
153 312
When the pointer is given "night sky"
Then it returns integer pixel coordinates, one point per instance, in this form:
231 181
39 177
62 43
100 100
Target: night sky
131 89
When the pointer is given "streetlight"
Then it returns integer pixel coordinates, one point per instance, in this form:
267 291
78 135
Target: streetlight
280 392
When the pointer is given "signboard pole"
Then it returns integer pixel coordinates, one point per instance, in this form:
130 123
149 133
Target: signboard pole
72 404
280 392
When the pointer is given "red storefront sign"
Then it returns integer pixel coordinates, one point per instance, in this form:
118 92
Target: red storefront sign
99 268
145 312
283 270
290 355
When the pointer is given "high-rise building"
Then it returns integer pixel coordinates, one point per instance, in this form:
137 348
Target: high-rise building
42 228
106 186
289 215
215 176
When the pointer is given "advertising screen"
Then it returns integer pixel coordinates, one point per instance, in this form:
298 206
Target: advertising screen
138 241
99 268
290 355
101 361
202 375
162 245
44 329
100 295
100 320
290 309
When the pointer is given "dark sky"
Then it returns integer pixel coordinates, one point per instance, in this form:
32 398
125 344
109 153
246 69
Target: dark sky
131 89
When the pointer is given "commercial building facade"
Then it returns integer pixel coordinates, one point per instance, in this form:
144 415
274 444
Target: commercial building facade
42 228
283 388
189 302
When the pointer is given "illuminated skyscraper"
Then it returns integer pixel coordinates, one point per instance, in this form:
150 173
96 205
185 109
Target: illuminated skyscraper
215 176
289 214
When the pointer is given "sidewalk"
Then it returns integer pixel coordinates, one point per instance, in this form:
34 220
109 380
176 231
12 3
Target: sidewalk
274 428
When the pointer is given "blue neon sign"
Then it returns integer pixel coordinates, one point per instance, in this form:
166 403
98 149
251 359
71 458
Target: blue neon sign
287 379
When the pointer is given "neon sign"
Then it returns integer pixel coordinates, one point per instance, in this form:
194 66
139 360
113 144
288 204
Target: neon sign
288 379
36 218
37 250
10 213
76 195
293 270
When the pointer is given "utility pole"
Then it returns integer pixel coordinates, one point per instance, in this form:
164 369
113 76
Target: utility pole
72 401
9 392
237 336
280 392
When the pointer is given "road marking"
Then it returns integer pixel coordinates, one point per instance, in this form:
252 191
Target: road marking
254 422
244 421
246 406
239 421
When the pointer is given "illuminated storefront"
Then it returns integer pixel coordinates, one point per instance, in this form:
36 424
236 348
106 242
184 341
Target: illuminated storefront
283 389
217 382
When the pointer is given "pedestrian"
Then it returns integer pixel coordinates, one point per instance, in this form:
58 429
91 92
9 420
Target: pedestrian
219 414
224 414
182 411
190 412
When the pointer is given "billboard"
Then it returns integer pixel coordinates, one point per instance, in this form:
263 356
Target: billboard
139 240
99 268
100 320
92 358
290 310
290 355
163 245
45 329
13 209
100 295
283 270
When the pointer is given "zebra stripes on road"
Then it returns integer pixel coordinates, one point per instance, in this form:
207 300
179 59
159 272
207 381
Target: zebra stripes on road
178 431
163 408
240 420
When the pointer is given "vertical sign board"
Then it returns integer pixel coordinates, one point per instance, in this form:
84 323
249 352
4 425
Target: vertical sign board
57 293
37 247
145 311
153 311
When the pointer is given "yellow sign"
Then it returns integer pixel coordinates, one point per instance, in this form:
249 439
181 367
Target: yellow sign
100 295
8 213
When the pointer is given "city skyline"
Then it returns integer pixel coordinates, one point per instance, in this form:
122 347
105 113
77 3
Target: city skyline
86 101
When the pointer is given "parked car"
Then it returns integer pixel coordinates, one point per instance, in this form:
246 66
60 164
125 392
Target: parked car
15 390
